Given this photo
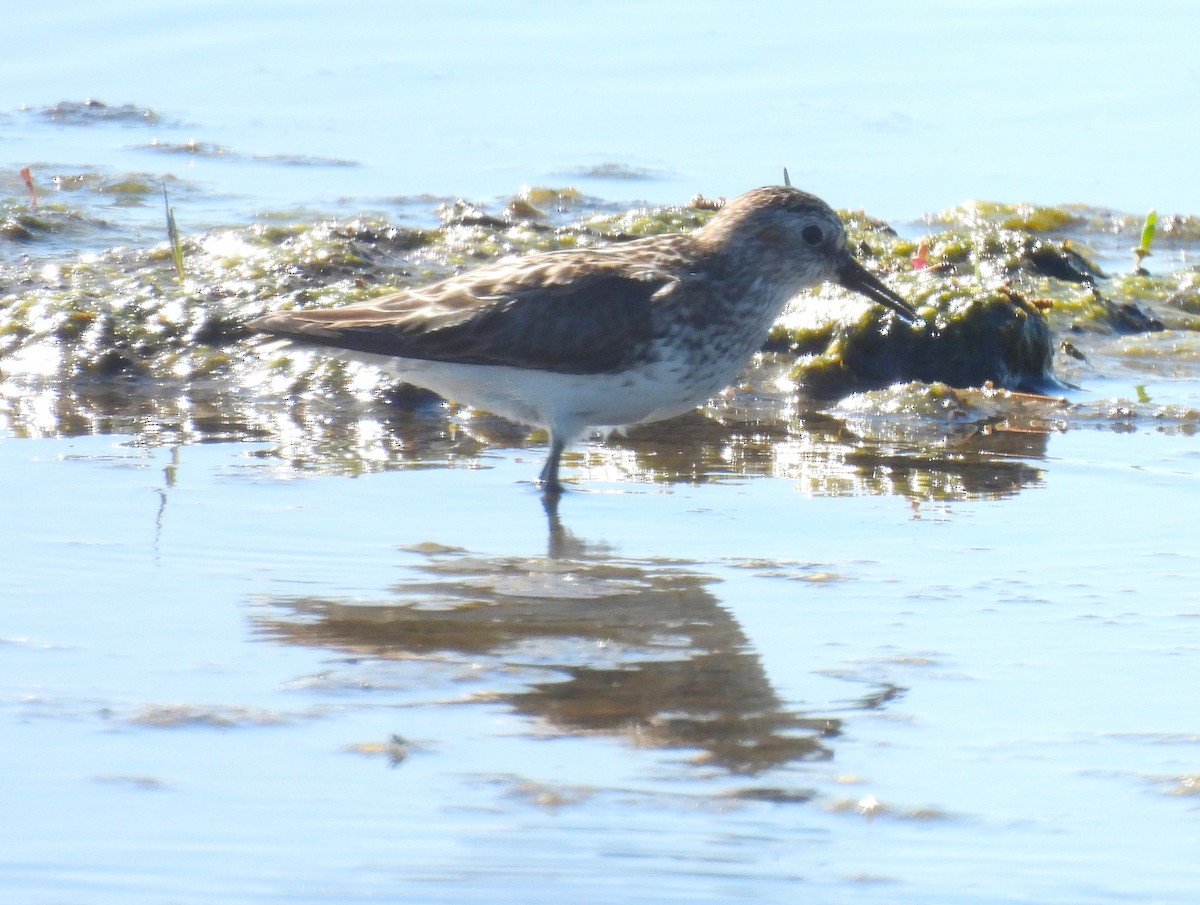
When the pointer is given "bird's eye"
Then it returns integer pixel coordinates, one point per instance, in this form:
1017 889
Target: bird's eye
812 235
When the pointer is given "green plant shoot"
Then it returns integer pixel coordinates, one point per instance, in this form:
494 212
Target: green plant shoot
1143 249
1148 231
173 236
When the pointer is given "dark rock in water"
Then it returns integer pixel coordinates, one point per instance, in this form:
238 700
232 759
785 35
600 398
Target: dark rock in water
1126 317
463 213
1061 261
996 338
90 111
112 362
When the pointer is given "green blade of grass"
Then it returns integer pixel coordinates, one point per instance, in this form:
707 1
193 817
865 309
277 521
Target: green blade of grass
1148 231
173 236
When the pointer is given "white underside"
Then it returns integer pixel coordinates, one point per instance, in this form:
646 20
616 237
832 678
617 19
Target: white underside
564 404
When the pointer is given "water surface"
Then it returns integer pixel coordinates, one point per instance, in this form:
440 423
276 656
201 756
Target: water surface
902 111
258 645
228 679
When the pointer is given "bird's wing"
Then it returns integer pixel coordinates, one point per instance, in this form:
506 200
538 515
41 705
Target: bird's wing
572 314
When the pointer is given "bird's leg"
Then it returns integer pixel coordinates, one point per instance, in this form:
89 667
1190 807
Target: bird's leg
549 476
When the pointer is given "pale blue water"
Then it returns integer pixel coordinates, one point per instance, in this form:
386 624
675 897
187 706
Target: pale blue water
899 109
1044 655
989 658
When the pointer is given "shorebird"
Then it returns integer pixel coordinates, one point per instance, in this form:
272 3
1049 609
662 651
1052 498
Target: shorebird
601 337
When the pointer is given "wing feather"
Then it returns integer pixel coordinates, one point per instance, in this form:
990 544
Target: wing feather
571 314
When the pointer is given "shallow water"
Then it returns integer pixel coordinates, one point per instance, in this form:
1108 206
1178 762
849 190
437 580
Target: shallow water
902 647
899 110
228 680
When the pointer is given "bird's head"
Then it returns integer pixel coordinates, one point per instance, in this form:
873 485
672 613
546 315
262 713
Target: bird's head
806 238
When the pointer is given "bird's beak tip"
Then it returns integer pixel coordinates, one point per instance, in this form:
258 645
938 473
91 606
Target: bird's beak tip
853 276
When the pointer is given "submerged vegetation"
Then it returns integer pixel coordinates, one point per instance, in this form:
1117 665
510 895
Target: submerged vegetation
993 337
1012 297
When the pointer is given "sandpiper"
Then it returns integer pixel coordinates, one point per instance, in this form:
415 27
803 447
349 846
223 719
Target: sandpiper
602 337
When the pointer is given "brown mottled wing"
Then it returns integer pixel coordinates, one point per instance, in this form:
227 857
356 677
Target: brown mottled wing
576 316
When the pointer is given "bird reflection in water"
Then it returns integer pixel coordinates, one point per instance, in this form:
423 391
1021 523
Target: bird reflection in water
642 651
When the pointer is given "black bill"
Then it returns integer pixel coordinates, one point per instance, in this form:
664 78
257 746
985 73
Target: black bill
857 278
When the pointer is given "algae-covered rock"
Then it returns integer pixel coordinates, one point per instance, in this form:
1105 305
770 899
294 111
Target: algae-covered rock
994 338
1061 261
80 301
